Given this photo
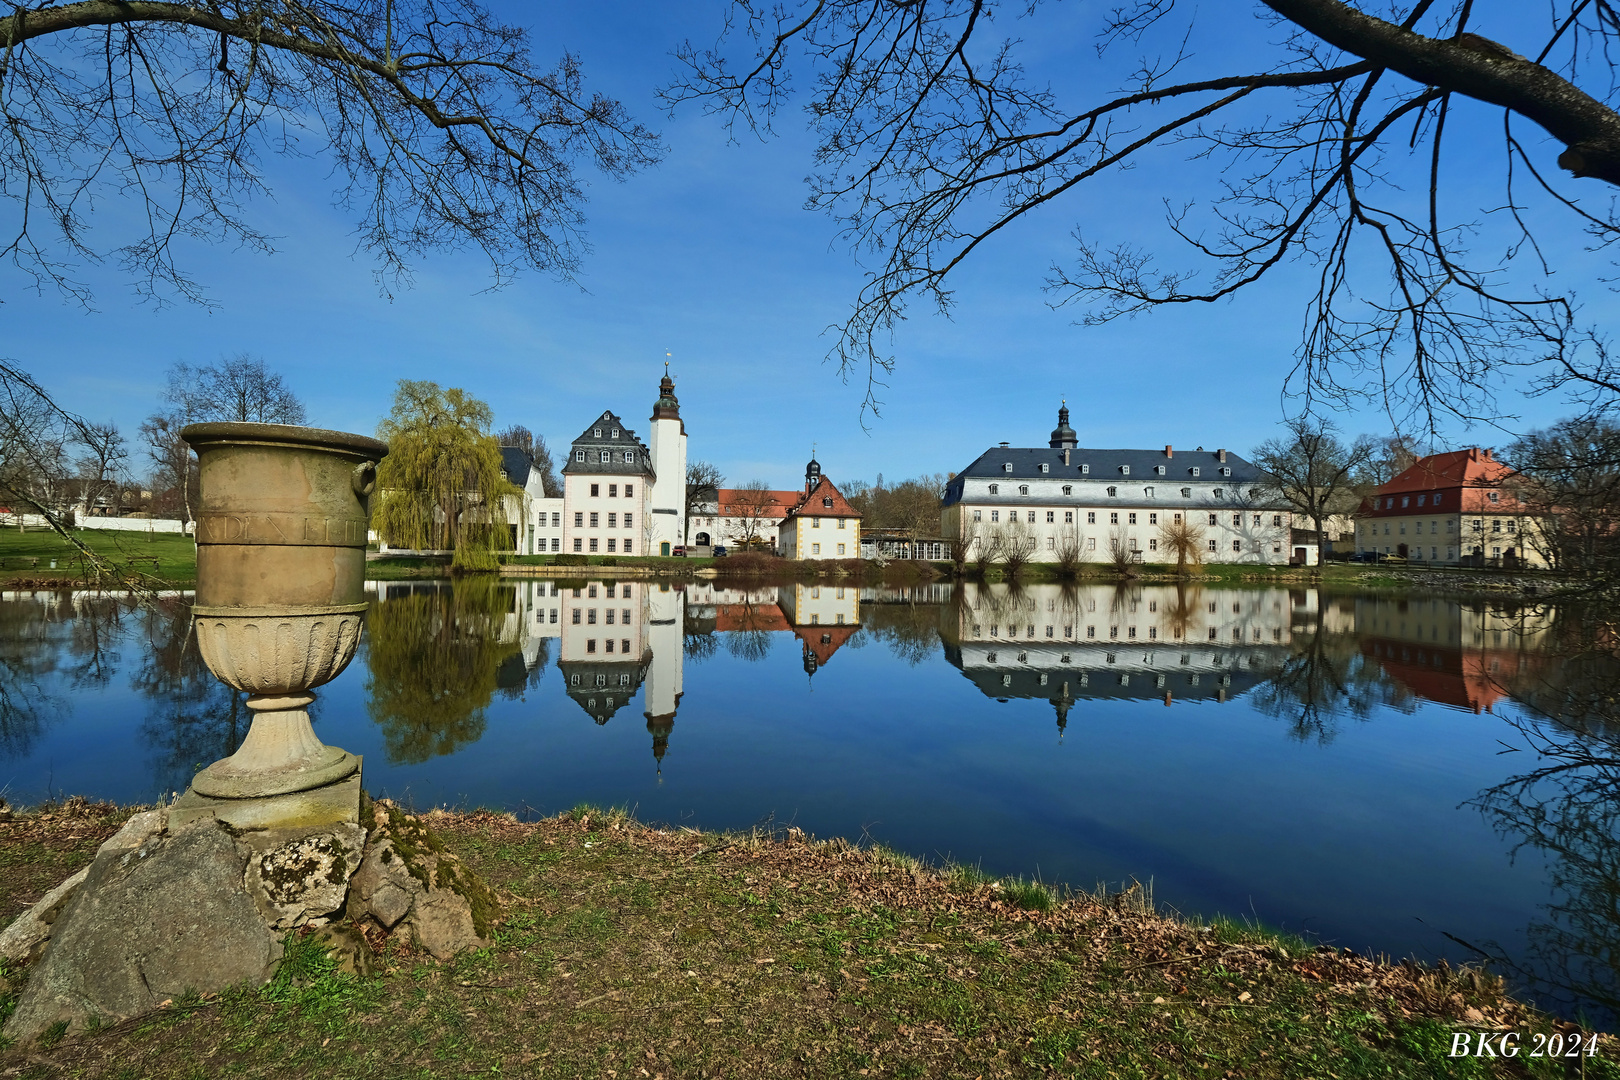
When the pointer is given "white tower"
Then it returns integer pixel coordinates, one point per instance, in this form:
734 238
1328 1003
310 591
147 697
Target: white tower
662 690
666 507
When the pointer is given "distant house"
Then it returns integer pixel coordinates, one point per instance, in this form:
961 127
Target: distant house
737 516
1065 496
535 521
1456 508
822 524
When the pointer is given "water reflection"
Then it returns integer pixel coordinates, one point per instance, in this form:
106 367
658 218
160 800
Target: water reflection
1272 693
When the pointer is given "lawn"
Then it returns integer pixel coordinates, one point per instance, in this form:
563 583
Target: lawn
635 952
27 556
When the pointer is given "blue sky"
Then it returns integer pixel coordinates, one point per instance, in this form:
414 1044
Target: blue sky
711 258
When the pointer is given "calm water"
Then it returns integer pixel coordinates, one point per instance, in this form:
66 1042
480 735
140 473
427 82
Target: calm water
1418 777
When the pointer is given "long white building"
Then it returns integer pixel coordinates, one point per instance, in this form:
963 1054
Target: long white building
1094 500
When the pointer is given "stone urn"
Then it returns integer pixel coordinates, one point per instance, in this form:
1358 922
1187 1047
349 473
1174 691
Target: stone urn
281 559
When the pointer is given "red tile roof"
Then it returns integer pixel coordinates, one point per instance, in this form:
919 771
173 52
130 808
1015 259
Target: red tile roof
1463 679
740 502
750 617
823 641
1463 480
814 504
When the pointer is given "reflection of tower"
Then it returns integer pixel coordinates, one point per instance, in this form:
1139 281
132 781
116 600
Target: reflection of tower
667 506
665 615
1061 703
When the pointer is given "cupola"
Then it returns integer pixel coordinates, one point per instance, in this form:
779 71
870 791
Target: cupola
812 476
667 407
1063 437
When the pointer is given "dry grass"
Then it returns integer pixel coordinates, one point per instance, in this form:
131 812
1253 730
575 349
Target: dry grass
632 952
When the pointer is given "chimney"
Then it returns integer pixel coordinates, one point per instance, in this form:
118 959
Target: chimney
1006 444
1488 453
1220 455
1168 452
1065 457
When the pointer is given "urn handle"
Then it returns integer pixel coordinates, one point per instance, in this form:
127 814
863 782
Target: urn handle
365 478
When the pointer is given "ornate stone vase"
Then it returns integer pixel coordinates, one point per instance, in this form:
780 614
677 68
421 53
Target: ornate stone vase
281 559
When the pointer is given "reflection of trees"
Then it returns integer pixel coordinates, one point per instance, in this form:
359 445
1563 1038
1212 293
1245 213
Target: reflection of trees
1567 808
433 659
911 631
1325 678
192 718
31 643
750 638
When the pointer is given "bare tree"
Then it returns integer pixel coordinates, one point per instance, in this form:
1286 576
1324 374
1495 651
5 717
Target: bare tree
1567 478
751 509
1014 544
442 131
1184 540
239 388
1314 471
1070 553
174 469
101 466
1328 158
703 482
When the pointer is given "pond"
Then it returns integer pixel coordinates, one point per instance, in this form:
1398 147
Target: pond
1419 776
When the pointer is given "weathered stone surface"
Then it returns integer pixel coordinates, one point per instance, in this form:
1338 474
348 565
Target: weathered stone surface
297 878
159 914
24 940
334 804
350 947
410 885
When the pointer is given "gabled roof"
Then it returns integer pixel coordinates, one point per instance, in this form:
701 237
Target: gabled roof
823 641
824 501
737 502
1026 464
1474 474
614 441
750 617
607 424
516 465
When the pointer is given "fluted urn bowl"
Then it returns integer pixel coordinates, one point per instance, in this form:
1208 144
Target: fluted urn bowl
281 539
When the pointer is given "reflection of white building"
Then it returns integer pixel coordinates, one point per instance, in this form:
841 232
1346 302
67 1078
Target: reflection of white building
1064 645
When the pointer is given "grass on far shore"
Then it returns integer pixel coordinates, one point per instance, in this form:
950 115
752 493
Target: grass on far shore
25 555
632 952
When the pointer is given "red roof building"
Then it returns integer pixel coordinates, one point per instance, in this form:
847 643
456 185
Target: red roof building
1456 508
822 525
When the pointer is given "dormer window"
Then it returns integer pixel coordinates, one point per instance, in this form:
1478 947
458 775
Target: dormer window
995 489
1194 471
629 457
1159 469
1112 492
596 433
826 502
1023 489
615 433
1226 470
1493 496
1045 467
579 455
1068 489
1085 470
1186 493
1220 493
1124 470
1147 493
1007 467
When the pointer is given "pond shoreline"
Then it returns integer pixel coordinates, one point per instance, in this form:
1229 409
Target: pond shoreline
626 947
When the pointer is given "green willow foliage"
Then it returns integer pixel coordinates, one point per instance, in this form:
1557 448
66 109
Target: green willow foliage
441 476
433 659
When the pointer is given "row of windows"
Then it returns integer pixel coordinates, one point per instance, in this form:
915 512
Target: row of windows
815 549
612 544
624 647
1113 632
596 519
1124 470
590 616
1477 525
1113 492
605 456
815 523
1153 544
1113 518
1091 605
1432 500
613 489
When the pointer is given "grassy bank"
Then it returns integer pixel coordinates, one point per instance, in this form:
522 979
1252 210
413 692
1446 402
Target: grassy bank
634 952
25 557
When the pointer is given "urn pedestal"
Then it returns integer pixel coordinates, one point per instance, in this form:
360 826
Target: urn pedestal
281 555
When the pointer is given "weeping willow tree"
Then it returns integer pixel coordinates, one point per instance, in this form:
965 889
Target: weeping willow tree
441 483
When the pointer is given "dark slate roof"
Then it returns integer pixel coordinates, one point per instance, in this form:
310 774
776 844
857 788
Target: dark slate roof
516 464
1103 682
593 444
599 690
1105 465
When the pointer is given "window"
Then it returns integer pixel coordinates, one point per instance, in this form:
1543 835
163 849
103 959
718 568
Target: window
578 544
593 543
1124 470
579 519
1112 492
1212 521
579 455
1212 548
1091 543
556 544
1051 544
1045 467
1006 467
1031 516
1276 519
1225 471
1420 499
595 488
1220 493
576 617
1023 489
1068 517
1159 469
1405 501
1153 545
613 491
590 617
1237 545
1147 493
840 551
826 502
815 549
596 433
1113 518
1085 470
1051 516
1178 519
840 523
629 457
1257 521
629 491
611 544
615 433
995 489
1493 496
609 619
613 521
1133 519
1437 500
594 517
1510 526
629 520
1068 489
995 515
1194 470
977 515
1153 519
815 523
627 544
1496 526
1091 517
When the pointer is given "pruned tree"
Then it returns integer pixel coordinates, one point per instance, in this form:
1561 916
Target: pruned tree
1183 540
1014 544
1333 157
441 485
703 482
539 454
441 131
1314 471
239 389
1070 552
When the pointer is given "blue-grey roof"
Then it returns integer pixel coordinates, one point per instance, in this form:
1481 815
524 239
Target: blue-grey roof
516 464
1026 462
614 440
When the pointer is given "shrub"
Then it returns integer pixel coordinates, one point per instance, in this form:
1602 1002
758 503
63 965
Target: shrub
571 560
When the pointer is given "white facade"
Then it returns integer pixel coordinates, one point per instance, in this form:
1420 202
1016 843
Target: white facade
666 521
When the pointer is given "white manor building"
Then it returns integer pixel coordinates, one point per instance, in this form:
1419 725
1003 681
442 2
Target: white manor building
1063 495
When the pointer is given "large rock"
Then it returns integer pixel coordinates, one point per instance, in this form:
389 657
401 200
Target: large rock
410 886
159 914
298 878
24 940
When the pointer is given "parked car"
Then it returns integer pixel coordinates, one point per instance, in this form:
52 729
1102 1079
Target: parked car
678 551
719 551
